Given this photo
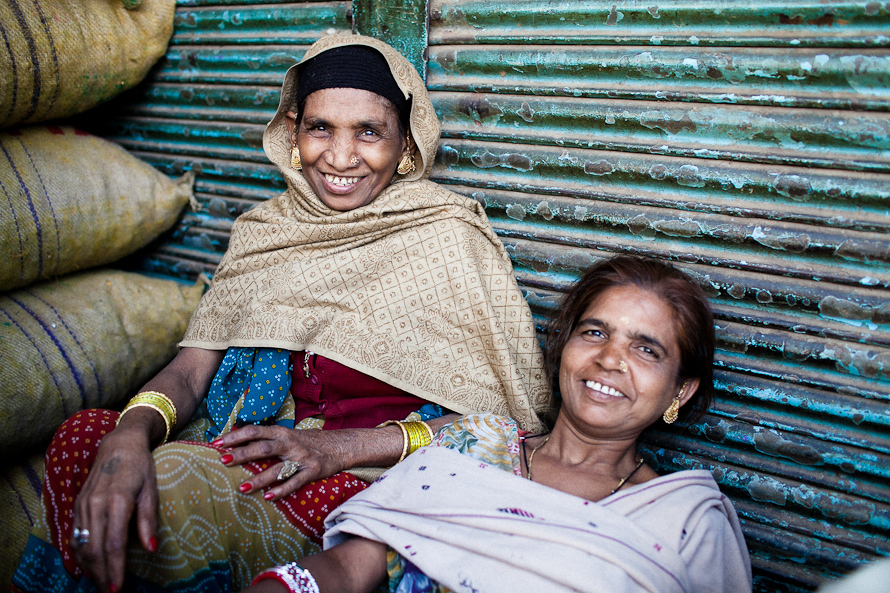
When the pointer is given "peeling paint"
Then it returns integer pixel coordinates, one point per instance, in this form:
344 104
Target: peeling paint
516 212
526 112
614 16
716 432
601 167
688 175
835 308
858 250
764 489
658 172
784 242
770 443
488 160
737 291
678 228
544 211
793 186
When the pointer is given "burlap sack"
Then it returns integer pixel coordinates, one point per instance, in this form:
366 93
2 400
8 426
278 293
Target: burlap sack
83 341
72 201
21 485
62 57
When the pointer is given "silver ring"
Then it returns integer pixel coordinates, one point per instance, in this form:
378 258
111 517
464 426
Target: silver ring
288 469
81 537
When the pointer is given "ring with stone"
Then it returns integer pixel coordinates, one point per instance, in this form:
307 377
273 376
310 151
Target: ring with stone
288 469
81 537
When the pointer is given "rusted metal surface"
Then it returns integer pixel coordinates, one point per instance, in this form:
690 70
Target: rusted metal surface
799 77
749 143
281 23
857 140
730 197
791 23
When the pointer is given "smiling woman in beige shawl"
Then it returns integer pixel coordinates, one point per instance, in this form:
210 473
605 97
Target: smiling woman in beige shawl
362 295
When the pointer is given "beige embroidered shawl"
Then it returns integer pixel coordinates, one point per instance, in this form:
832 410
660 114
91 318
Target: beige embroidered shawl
414 289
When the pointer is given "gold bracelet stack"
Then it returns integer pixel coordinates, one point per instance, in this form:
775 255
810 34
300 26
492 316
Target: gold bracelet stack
414 434
158 402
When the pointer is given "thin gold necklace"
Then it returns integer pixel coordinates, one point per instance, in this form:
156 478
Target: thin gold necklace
621 482
532 456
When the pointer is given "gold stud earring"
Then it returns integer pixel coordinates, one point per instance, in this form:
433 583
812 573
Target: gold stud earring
407 165
622 366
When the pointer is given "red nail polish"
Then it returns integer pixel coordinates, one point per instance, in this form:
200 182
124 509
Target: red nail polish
268 496
153 544
227 458
245 487
217 443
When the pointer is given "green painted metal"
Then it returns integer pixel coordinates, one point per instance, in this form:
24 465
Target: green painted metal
806 137
284 23
401 23
724 23
747 142
806 77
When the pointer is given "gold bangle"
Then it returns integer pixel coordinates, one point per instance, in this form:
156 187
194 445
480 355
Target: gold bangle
405 438
419 435
429 430
158 402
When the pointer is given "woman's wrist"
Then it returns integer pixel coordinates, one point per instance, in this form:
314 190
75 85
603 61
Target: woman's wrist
292 576
142 422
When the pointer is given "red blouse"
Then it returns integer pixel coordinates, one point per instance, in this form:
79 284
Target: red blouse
345 397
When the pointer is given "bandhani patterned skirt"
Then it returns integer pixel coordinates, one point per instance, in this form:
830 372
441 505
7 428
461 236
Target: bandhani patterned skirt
211 538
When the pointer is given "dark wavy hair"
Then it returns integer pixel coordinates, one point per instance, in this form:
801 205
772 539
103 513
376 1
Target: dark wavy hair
692 314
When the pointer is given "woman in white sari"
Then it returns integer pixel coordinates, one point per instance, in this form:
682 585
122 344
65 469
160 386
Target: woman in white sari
632 345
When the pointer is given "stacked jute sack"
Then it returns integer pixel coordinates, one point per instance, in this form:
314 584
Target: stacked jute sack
74 335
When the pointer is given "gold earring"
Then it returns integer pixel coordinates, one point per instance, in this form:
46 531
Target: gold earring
295 162
673 412
407 165
622 366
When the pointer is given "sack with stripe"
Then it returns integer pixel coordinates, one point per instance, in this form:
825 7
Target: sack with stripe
71 201
62 57
21 486
83 341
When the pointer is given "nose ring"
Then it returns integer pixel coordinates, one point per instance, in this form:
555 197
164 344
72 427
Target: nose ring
353 161
622 366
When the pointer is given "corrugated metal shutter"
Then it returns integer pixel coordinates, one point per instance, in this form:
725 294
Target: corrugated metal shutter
748 142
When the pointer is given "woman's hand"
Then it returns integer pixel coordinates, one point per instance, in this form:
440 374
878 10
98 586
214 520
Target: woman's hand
122 480
320 454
